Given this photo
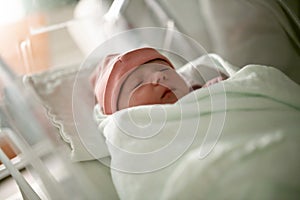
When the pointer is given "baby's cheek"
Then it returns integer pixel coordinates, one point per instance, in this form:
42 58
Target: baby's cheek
143 97
135 99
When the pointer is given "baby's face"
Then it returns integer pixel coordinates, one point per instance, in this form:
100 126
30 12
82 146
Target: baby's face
152 83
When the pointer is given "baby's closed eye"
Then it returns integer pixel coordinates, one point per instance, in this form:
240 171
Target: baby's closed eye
165 69
138 84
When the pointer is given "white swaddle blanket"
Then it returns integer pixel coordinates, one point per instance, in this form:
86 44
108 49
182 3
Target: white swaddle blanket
236 139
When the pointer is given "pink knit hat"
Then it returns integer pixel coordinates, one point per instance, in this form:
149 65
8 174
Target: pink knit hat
113 71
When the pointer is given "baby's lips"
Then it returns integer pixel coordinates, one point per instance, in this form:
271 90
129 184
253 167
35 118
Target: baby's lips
163 90
165 93
168 96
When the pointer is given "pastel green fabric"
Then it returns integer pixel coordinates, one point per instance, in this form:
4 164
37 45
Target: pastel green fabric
237 139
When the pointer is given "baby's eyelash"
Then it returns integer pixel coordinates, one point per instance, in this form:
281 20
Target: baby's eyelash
164 69
138 84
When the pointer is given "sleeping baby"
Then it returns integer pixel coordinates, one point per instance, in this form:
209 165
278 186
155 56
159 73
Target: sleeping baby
141 77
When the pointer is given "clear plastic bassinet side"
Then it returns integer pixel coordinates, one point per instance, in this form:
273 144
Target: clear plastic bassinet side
40 152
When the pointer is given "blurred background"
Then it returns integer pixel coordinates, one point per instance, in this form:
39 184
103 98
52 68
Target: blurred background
41 35
25 45
38 34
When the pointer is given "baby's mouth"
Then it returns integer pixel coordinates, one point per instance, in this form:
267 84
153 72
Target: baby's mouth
167 91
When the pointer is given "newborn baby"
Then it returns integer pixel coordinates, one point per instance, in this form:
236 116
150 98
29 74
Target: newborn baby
139 77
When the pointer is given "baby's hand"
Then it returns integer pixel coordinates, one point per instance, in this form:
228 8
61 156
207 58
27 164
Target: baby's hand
214 81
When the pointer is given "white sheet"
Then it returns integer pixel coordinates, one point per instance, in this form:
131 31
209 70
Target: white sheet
55 88
253 133
260 133
59 90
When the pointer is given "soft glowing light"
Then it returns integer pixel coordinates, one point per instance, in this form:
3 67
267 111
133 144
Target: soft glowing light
11 11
